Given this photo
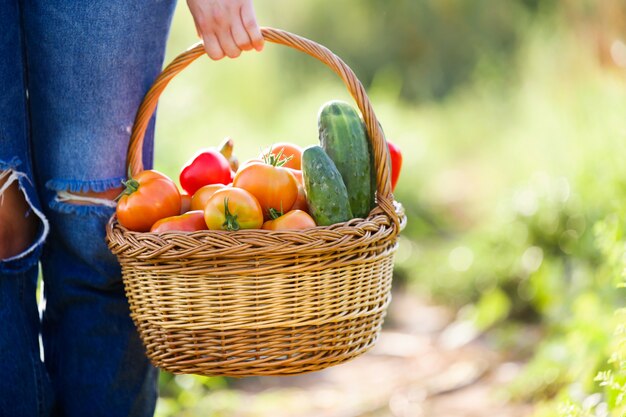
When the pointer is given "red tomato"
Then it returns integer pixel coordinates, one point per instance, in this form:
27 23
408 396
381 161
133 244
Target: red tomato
286 150
148 197
185 202
396 163
188 222
200 198
206 167
298 174
275 187
295 219
301 203
233 209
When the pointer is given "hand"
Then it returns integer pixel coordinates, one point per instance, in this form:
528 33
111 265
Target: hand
227 27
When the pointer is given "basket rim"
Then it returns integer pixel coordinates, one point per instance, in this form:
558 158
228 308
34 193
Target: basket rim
172 245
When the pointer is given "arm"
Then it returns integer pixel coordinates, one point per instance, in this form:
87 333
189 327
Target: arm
227 27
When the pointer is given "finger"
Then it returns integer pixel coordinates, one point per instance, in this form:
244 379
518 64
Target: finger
197 17
212 47
248 18
228 44
240 35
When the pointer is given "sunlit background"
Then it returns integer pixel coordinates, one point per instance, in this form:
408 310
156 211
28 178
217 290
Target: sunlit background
512 120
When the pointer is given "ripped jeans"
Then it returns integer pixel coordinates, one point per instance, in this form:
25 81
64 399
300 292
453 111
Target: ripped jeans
72 74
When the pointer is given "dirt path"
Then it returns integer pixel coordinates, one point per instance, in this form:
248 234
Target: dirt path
421 366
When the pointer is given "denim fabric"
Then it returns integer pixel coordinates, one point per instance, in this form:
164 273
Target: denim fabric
25 389
72 75
14 127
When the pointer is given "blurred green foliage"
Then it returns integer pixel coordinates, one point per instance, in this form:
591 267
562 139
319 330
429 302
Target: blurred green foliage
511 118
431 47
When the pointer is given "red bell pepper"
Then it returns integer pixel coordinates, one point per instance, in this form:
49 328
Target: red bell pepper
206 167
396 163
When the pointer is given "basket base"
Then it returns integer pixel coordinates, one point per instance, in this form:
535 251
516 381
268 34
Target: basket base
272 351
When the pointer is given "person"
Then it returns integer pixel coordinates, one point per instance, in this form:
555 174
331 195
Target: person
72 75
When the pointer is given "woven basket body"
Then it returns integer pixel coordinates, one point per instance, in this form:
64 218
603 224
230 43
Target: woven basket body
259 302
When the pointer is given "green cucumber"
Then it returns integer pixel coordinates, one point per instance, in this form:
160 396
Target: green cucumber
326 193
343 137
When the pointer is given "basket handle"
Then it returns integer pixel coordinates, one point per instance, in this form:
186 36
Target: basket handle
134 160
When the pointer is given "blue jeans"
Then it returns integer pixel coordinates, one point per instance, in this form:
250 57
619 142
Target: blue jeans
72 74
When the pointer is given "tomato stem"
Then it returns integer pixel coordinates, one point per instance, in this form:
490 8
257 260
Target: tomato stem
231 222
131 185
276 160
274 214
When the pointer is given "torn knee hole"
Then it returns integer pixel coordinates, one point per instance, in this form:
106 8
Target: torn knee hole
84 197
8 178
89 198
12 196
20 221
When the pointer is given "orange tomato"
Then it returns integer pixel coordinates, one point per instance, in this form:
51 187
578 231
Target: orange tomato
248 162
148 197
188 222
288 150
232 209
185 202
295 219
200 197
274 187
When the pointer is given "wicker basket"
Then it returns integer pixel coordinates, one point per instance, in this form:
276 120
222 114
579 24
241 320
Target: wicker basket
259 302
